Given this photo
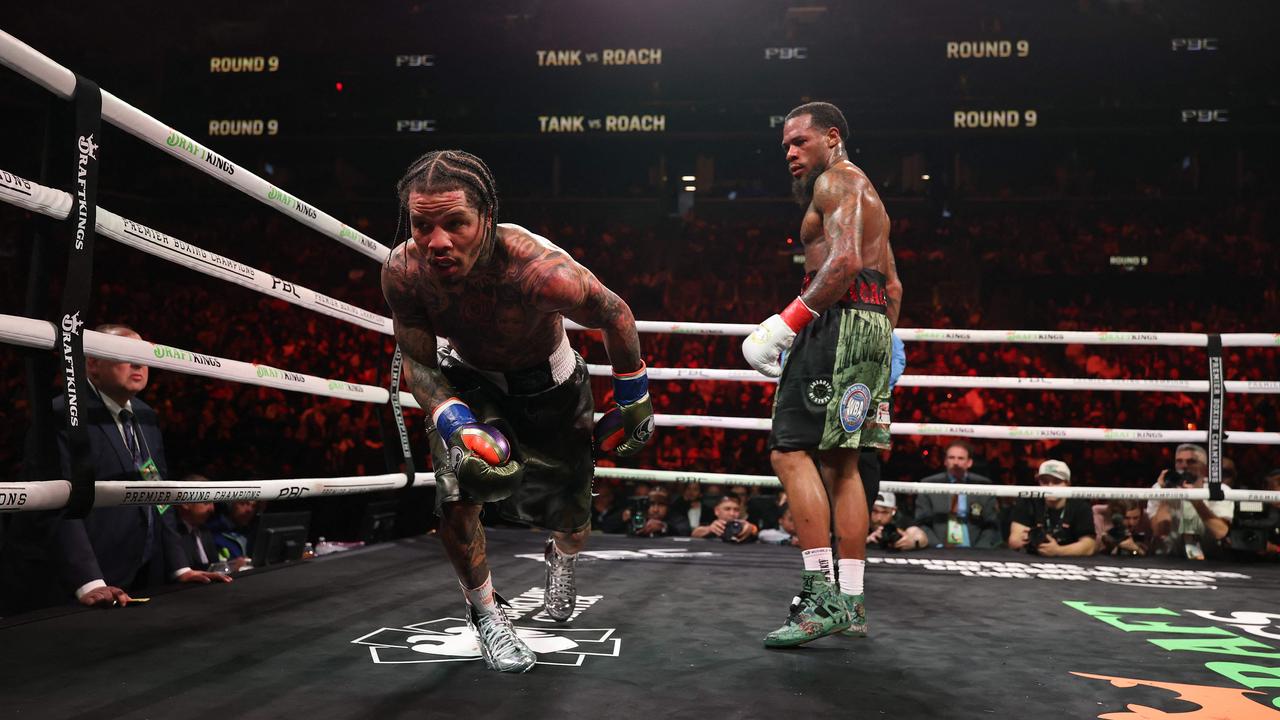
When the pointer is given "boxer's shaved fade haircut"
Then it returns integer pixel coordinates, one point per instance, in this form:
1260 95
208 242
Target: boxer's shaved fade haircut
445 170
823 115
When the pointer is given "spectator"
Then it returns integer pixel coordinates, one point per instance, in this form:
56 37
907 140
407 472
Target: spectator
656 519
785 533
691 506
1194 528
728 525
1054 526
233 530
1129 533
113 551
888 529
606 514
197 540
960 520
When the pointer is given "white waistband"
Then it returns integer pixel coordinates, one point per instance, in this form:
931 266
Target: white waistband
562 362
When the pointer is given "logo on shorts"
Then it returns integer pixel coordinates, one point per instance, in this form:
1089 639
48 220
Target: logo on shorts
854 406
819 392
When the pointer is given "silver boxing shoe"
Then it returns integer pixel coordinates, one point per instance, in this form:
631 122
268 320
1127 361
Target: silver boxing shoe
560 593
501 648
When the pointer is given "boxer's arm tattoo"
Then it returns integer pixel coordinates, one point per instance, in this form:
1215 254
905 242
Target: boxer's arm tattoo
428 385
560 284
416 338
840 202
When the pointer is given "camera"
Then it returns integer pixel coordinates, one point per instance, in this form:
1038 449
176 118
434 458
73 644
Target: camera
639 506
889 536
1117 533
1176 479
1038 536
732 529
1253 526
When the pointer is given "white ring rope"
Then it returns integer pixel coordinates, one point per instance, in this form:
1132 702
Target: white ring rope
40 334
43 71
53 494
1012 337
57 204
1270 387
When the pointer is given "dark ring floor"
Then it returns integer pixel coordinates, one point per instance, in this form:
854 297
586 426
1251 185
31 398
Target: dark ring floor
667 629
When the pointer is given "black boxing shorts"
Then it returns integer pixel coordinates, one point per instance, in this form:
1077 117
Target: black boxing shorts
546 413
834 388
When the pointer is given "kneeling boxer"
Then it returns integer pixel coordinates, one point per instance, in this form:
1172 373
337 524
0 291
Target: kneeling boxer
509 399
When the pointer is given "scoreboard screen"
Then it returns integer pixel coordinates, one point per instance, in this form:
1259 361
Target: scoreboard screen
686 69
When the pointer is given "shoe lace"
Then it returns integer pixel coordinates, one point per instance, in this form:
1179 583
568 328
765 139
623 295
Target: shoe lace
498 633
561 573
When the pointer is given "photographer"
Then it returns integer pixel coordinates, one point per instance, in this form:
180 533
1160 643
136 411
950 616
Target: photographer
728 525
1194 528
656 522
887 529
1053 526
1130 532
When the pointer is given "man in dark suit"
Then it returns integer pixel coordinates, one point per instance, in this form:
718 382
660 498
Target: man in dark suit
197 539
956 520
51 559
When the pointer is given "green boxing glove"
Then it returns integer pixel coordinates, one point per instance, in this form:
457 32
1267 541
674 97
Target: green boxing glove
628 426
479 455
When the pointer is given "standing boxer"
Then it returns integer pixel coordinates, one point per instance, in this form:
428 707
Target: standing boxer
833 389
510 401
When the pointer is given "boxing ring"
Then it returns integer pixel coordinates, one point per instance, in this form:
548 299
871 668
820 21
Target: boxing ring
669 625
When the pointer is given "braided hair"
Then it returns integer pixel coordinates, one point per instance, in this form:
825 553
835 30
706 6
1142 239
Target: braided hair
445 170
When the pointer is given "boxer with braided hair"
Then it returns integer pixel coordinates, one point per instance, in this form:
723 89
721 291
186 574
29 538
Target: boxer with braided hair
509 399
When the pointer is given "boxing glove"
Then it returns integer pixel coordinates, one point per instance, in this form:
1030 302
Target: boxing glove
479 455
628 425
764 347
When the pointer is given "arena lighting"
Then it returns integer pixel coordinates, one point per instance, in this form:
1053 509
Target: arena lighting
688 178
690 188
924 177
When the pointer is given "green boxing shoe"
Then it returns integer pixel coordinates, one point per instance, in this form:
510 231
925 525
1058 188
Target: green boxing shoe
817 612
857 610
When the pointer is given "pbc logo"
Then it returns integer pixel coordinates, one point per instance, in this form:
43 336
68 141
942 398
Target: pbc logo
786 53
291 493
1205 115
1208 44
278 284
415 126
414 61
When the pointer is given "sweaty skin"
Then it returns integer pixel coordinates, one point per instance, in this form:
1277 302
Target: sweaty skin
502 314
845 229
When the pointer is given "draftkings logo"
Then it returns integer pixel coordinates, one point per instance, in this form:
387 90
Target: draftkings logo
71 325
448 639
1244 648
